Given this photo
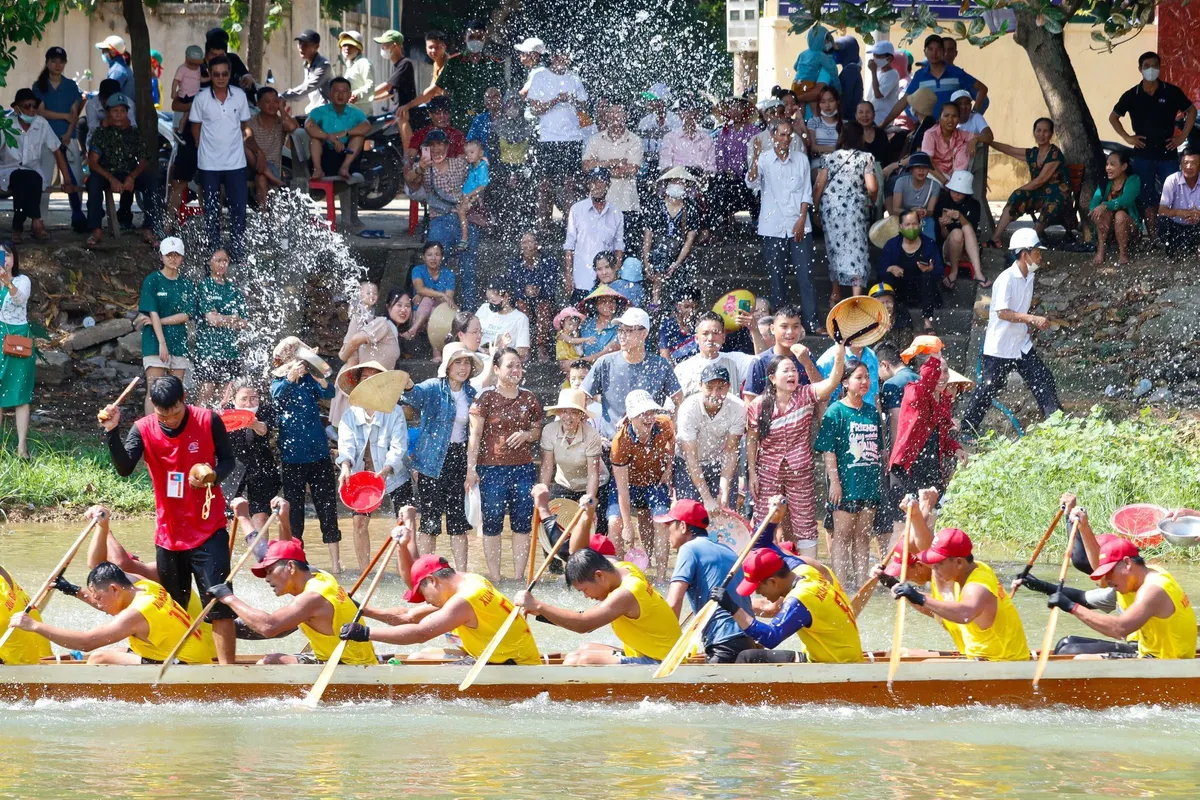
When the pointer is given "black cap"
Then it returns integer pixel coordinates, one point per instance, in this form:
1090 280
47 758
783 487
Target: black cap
599 174
714 372
436 135
475 25
920 159
309 36
439 103
499 285
23 95
56 52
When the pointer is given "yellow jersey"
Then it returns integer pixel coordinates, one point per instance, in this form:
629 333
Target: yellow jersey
168 622
22 647
832 638
323 644
1173 637
1005 639
656 629
491 609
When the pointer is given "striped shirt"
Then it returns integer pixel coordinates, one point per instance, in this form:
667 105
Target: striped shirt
790 437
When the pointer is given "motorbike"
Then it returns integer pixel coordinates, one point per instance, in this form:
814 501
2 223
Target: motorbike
381 163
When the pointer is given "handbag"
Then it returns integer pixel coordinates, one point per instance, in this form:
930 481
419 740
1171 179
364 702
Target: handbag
14 344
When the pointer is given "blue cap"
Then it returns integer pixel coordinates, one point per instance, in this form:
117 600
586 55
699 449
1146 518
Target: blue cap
118 99
631 270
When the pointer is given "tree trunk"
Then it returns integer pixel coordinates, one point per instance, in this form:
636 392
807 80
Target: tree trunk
1073 121
139 49
256 39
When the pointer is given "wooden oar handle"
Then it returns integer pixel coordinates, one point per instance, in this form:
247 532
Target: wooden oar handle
1037 551
370 566
771 518
250 547
580 518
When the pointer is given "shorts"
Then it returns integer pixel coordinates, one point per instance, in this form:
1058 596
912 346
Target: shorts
505 490
215 370
176 363
208 563
685 490
642 660
401 496
252 172
443 496
558 161
726 652
259 489
558 490
184 169
657 498
853 506
770 657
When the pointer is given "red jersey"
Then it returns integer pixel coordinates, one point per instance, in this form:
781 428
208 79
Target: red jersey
180 508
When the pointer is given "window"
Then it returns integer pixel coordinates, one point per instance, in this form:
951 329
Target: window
749 15
734 15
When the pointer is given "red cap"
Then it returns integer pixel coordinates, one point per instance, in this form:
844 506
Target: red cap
689 512
1112 553
893 566
279 550
602 545
422 568
758 566
949 543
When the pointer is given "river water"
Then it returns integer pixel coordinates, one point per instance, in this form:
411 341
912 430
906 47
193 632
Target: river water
536 749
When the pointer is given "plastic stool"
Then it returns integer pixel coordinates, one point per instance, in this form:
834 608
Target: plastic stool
326 185
413 209
188 211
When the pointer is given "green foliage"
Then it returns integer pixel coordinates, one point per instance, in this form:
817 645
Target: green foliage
1009 492
239 16
67 471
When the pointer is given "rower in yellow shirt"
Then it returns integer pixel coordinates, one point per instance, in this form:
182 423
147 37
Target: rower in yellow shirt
640 616
968 600
22 647
1152 603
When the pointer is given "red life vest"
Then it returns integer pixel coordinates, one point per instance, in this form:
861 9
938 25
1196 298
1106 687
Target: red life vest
179 507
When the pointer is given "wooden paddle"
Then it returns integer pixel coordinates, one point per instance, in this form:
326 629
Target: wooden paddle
36 600
102 415
1048 639
170 659
233 532
683 645
308 645
535 544
318 689
581 518
863 595
898 631
1037 551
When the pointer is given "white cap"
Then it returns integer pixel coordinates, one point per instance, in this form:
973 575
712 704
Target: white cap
769 103
531 45
638 402
355 38
1025 239
961 93
882 49
961 181
658 91
634 318
113 42
171 244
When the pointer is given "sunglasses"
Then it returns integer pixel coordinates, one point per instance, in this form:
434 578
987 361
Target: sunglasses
221 74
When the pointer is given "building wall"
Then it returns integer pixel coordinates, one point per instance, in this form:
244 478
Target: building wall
1016 98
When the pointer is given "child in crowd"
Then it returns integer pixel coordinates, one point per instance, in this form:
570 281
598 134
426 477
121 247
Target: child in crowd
575 375
186 84
567 324
478 177
255 473
629 281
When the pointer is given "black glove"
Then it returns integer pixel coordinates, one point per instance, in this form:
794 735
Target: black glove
1038 585
65 586
910 592
355 632
724 599
1060 600
888 581
221 591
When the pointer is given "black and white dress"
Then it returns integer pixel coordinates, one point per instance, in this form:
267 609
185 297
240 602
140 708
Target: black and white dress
846 214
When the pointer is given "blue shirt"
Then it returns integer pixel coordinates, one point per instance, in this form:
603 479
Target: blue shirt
953 79
433 399
120 72
703 564
757 382
301 434
632 291
612 378
329 120
893 388
603 337
546 275
673 340
868 357
60 101
446 282
481 130
478 177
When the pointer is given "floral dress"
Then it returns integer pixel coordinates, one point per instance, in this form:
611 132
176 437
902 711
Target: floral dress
1051 199
846 213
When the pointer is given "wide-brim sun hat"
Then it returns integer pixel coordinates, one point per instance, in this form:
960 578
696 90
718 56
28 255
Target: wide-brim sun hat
381 392
857 314
455 351
884 231
638 402
439 325
571 400
959 381
962 181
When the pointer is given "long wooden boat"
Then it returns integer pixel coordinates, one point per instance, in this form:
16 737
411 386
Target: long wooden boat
921 681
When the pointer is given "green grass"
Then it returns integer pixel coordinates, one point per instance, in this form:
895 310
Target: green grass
68 472
1010 491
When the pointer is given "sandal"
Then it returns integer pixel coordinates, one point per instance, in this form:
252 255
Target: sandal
985 283
992 244
94 241
949 284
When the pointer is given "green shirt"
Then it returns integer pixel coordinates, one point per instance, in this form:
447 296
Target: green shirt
223 298
120 149
166 298
852 435
465 83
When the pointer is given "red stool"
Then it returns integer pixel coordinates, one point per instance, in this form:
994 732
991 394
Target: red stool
326 185
188 211
413 209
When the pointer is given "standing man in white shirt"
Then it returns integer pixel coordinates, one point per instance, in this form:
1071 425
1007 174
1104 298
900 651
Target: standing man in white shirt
783 180
556 95
1007 344
884 89
219 115
593 226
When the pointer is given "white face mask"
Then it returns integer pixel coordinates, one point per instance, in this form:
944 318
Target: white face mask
1150 74
676 191
474 46
880 62
1031 266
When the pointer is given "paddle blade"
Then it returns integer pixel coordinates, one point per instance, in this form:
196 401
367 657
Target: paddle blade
683 645
1044 655
486 655
318 689
170 659
897 636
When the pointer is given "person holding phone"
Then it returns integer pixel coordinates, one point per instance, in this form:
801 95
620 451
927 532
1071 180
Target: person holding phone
912 264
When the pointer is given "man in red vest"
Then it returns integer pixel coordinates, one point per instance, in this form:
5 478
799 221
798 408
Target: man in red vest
190 538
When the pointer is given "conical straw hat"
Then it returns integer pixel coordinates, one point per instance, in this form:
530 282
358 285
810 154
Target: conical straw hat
381 392
884 231
439 325
855 314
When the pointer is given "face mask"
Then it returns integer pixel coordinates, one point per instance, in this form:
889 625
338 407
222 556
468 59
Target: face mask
253 409
880 62
829 46
829 115
474 46
26 118
910 233
1032 267
1150 74
676 191
496 308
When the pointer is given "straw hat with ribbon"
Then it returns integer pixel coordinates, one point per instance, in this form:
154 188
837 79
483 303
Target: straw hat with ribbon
884 231
381 392
440 322
678 174
455 351
571 400
859 320
603 290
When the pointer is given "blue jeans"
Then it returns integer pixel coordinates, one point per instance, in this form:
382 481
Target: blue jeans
779 254
657 498
505 490
1152 172
447 231
234 181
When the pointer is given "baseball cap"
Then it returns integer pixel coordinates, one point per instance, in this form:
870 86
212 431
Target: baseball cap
279 550
194 52
118 99
949 543
391 36
920 159
113 42
353 37
657 91
309 36
769 103
1112 552
422 568
602 545
436 135
689 512
1025 239
56 52
893 566
599 174
634 318
531 45
882 49
758 566
171 244
715 372
961 93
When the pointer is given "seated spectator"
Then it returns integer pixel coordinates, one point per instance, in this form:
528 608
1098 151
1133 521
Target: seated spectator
533 279
1179 209
669 229
22 173
643 452
337 131
1047 192
503 326
874 139
957 218
1114 207
917 122
115 162
825 127
359 70
439 120
918 192
728 191
605 267
433 285
95 111
264 152
677 333
689 146
601 307
970 120
948 146
630 279
912 264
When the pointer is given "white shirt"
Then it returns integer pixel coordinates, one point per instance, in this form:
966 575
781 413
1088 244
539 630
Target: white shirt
974 125
495 325
653 133
785 186
764 137
623 192
889 84
387 436
12 312
708 432
462 414
688 371
590 232
27 154
560 123
1010 292
220 146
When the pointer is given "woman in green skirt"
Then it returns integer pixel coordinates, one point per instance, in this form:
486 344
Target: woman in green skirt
16 372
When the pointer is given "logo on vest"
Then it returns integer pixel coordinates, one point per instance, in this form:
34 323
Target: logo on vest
193 447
